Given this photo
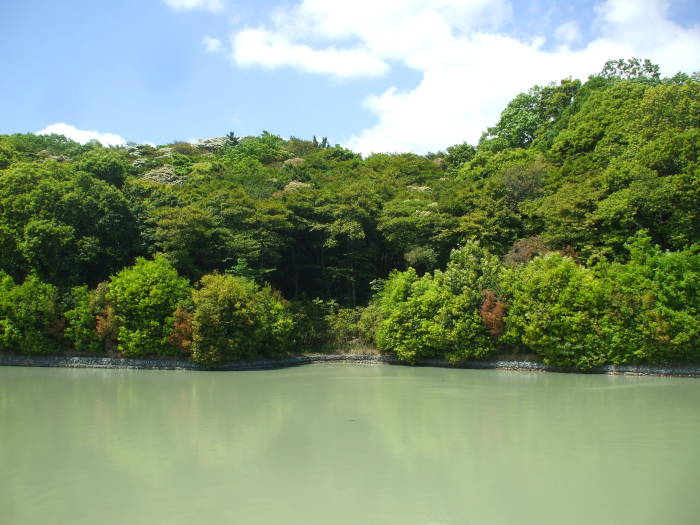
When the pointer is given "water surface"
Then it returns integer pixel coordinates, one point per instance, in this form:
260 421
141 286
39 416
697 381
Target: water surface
346 444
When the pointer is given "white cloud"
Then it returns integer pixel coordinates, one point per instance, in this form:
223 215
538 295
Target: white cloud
82 135
215 6
568 32
271 50
211 44
470 69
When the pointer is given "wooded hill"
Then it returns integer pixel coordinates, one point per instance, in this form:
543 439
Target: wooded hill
572 229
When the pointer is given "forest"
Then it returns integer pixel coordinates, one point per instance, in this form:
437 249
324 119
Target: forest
569 232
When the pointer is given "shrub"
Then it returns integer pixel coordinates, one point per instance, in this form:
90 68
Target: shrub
91 324
558 310
443 313
29 316
145 297
81 321
655 303
234 318
311 321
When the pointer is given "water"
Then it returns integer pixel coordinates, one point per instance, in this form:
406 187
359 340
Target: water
346 444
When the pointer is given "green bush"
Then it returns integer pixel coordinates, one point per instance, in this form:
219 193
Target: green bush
91 326
234 318
558 309
456 313
29 316
145 297
655 303
345 329
311 320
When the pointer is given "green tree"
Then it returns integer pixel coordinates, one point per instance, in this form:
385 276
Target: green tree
81 321
236 319
654 303
456 314
145 297
109 165
631 68
29 316
558 310
68 227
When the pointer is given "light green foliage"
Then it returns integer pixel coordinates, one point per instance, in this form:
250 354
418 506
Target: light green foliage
557 310
440 314
529 116
459 154
645 310
109 165
81 321
632 68
145 297
29 316
629 161
236 319
656 304
243 269
266 148
30 146
517 125
68 227
7 153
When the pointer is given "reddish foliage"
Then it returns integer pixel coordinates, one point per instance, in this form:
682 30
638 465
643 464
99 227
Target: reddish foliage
106 324
181 336
569 251
526 249
492 312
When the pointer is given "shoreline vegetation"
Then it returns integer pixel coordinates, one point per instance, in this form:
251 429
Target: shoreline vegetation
499 363
570 232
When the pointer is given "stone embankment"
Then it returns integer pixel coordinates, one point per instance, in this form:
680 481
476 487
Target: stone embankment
262 364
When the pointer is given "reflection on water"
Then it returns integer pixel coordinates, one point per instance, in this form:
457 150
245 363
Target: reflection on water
346 445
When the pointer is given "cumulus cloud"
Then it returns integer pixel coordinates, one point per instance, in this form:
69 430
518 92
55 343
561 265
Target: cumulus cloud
568 32
82 135
215 6
268 49
470 67
211 44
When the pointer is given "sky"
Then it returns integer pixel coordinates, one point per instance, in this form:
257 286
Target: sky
371 75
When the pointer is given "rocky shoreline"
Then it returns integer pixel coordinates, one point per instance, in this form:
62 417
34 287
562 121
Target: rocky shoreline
267 364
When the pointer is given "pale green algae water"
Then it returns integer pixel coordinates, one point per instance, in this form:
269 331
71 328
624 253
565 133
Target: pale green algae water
347 444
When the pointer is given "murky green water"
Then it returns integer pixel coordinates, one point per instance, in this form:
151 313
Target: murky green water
346 444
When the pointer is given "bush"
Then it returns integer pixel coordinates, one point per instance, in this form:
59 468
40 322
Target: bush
655 303
145 297
558 309
345 329
311 321
456 313
29 316
81 321
91 324
234 319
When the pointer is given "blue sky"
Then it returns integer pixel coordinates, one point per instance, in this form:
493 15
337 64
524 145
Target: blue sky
375 75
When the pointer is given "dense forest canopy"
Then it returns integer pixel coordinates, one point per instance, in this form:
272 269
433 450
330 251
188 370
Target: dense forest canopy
572 229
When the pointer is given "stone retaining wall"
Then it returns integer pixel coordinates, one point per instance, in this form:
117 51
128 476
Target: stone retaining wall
262 364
